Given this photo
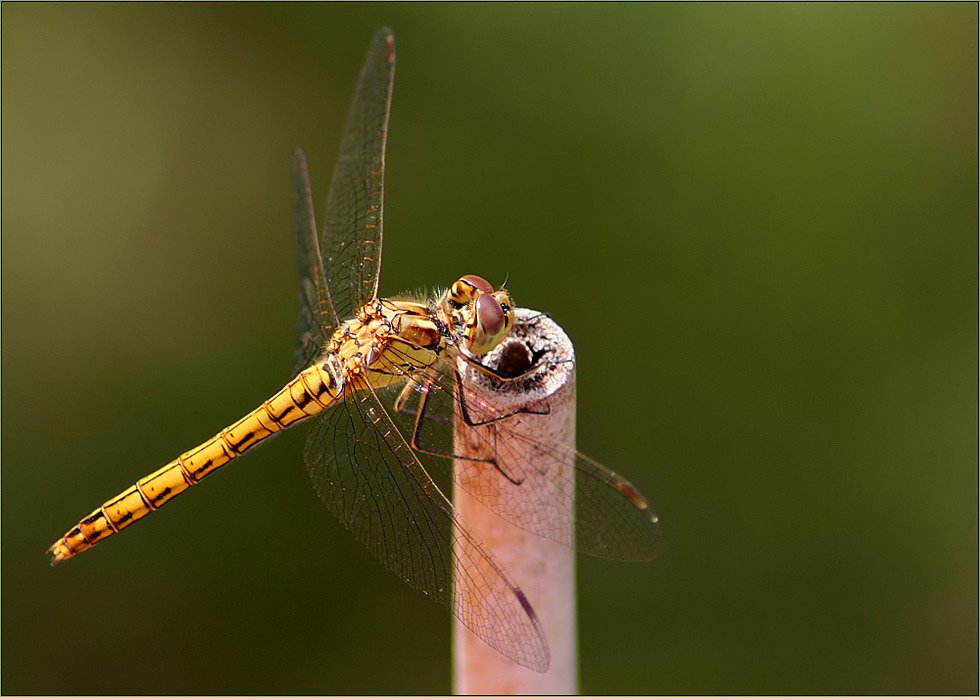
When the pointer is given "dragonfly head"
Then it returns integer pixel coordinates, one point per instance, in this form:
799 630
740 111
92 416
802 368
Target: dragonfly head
479 315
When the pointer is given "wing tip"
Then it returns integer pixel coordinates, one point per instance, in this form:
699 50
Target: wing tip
299 159
388 36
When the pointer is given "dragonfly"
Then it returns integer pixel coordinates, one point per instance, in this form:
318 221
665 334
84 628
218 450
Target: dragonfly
379 380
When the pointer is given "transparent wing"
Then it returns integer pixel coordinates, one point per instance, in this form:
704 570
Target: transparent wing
350 241
315 321
611 517
341 264
368 475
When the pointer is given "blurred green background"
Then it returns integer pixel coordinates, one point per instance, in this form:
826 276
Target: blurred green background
757 222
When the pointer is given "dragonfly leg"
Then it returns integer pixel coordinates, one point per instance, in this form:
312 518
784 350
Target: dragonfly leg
420 419
402 401
503 377
535 318
470 421
534 361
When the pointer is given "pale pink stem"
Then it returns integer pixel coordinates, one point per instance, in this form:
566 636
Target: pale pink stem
544 570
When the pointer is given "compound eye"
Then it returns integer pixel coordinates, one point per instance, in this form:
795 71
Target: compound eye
488 325
467 288
489 315
479 283
503 299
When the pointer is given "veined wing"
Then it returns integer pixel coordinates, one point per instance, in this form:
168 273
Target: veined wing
603 515
368 475
339 267
315 322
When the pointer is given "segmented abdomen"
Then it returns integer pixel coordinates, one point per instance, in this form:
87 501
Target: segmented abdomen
310 392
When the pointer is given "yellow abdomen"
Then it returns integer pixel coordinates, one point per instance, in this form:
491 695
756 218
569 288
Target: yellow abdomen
309 393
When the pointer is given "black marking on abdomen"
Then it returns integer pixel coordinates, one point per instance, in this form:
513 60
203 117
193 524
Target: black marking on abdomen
278 418
304 398
163 493
202 471
324 387
90 519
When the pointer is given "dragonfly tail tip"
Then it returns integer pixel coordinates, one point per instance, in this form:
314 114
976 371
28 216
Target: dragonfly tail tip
58 553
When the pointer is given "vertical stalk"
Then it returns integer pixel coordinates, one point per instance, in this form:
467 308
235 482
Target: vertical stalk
545 570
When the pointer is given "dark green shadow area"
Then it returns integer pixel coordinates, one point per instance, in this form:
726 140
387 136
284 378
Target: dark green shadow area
758 223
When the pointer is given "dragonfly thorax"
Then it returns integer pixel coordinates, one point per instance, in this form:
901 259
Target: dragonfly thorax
477 316
387 341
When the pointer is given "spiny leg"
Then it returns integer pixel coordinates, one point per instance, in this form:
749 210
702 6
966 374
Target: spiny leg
422 417
474 423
